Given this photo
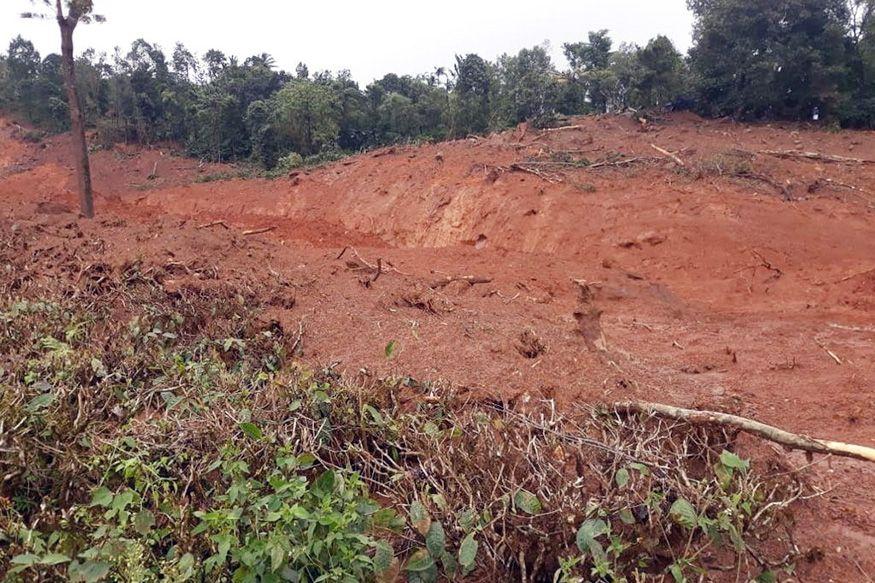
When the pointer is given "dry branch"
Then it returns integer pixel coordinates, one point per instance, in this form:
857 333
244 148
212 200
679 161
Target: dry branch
470 279
785 438
380 268
563 128
549 177
213 224
674 157
621 162
831 354
830 158
257 231
359 257
857 274
860 193
766 180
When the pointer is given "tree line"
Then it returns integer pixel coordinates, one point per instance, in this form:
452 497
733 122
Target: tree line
751 59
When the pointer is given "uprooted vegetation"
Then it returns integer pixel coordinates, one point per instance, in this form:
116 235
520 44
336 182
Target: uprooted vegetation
150 434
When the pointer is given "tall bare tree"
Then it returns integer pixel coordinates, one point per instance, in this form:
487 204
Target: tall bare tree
77 11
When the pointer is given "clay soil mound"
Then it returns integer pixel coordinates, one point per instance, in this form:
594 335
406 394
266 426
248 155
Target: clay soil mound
691 262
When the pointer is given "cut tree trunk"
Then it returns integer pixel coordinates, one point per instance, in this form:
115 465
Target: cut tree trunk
77 123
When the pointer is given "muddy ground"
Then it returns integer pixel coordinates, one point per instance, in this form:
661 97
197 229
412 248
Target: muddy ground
726 278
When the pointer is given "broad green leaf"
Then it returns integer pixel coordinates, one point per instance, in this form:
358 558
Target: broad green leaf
677 572
468 520
723 475
431 429
626 516
375 415
390 349
389 519
435 540
730 460
419 561
736 538
766 577
144 521
419 517
252 430
450 565
54 559
588 532
622 477
468 552
186 564
527 502
326 482
102 496
305 460
683 513
25 559
87 572
390 575
277 557
440 502
40 402
383 556
641 468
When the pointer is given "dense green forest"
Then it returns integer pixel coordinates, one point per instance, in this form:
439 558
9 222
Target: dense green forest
751 59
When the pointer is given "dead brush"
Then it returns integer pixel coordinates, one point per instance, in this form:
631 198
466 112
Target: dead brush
734 164
111 382
731 163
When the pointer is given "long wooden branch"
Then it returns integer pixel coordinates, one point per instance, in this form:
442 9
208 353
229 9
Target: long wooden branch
819 156
785 438
671 155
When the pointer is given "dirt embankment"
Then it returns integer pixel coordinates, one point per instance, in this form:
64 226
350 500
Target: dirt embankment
581 264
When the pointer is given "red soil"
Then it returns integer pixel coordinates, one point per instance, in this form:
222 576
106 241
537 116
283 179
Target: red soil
702 285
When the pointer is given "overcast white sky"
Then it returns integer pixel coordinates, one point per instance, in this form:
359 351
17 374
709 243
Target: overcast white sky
370 38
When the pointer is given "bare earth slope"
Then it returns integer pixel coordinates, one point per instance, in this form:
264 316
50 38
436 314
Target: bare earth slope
739 280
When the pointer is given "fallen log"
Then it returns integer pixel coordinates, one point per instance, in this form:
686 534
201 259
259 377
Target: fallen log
831 158
785 438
